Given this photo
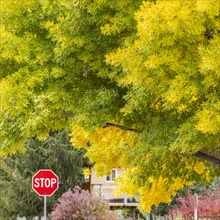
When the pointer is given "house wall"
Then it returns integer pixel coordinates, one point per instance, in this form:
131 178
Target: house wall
101 187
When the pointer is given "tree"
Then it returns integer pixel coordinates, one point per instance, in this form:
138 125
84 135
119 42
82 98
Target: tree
171 73
52 60
16 195
80 204
137 82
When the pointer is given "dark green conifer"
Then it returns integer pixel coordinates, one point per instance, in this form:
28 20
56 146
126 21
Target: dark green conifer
56 153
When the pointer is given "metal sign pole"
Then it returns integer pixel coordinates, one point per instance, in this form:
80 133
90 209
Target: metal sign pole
195 206
45 207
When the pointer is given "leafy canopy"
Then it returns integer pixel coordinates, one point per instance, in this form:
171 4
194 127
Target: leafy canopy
136 81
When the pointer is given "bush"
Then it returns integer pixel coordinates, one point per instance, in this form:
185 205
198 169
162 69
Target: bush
208 205
78 204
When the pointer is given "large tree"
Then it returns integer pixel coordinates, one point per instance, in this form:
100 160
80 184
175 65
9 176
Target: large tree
17 198
137 81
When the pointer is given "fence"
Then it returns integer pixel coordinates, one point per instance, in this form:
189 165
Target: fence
149 216
34 218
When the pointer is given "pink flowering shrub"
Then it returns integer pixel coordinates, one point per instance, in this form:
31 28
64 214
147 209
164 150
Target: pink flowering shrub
78 204
208 205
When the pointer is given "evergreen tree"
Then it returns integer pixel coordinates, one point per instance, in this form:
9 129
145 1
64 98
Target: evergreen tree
55 153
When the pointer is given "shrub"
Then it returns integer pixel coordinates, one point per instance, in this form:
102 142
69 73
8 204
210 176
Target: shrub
78 204
208 205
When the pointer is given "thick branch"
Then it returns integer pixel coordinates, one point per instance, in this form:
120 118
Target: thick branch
201 155
120 127
206 157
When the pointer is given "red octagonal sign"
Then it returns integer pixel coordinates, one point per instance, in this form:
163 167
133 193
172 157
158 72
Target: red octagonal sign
45 182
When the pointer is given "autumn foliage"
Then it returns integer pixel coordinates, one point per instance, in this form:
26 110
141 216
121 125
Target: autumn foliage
80 204
137 83
208 205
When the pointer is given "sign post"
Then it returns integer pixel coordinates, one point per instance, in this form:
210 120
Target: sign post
45 208
45 183
196 206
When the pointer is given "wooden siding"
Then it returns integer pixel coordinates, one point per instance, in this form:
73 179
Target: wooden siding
101 187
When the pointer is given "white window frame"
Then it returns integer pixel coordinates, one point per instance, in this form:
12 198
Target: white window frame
112 179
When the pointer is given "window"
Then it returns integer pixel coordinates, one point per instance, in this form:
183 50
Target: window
112 176
86 179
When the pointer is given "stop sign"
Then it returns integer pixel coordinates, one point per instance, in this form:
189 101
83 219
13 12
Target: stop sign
45 182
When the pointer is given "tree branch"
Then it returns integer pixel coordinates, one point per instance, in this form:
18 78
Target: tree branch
206 157
201 155
120 127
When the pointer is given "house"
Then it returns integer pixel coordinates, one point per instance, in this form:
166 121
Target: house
104 187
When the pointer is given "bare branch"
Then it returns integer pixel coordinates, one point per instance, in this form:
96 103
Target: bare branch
206 157
120 127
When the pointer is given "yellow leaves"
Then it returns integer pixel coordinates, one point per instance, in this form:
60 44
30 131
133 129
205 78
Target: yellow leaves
167 22
173 97
211 80
163 60
86 172
211 7
124 184
162 17
185 12
13 47
110 142
115 58
157 104
131 79
209 120
16 7
6 151
182 108
199 168
42 136
153 62
79 137
49 25
5 86
210 62
202 6
111 146
152 192
158 192
126 110
106 29
64 41
120 20
114 26
151 195
57 72
181 94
